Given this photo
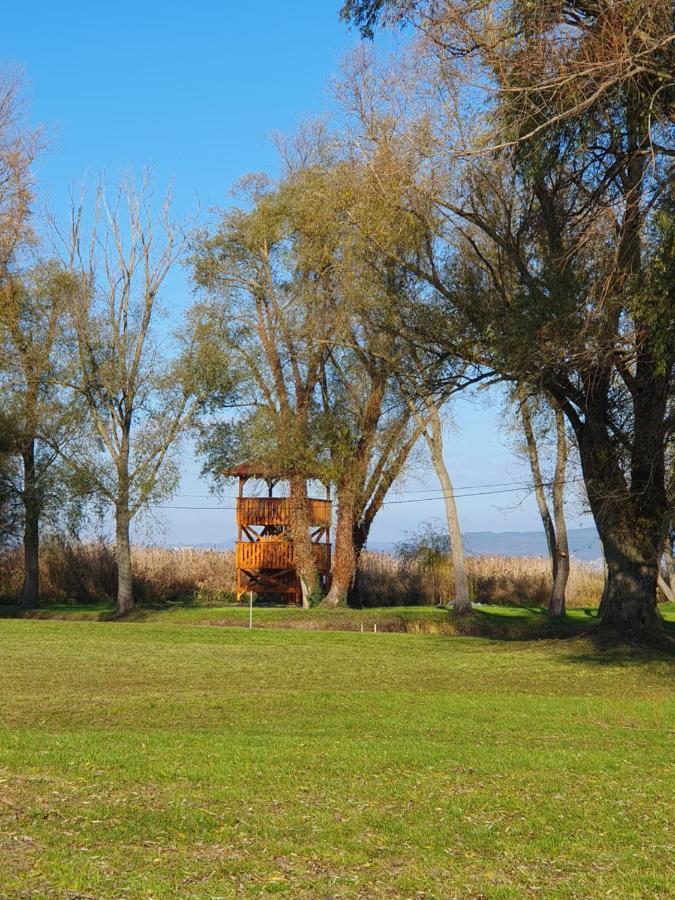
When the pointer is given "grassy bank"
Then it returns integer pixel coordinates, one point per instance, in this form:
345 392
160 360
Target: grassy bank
151 760
501 622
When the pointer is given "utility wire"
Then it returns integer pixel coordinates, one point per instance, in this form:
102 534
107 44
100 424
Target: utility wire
525 486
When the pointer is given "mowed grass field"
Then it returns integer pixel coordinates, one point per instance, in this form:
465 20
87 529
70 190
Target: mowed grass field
152 759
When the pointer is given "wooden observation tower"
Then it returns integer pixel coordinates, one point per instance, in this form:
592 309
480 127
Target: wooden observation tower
265 559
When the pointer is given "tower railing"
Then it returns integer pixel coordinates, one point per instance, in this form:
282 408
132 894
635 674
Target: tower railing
277 511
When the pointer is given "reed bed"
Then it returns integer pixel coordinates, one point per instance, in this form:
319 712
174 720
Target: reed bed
85 573
72 572
508 580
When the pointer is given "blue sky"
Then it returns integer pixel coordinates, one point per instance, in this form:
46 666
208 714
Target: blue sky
196 91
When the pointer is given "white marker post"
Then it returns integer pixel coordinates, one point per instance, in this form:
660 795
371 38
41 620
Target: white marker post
250 609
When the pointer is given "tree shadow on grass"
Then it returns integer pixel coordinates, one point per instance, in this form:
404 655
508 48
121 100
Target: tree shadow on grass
528 624
603 650
60 612
525 625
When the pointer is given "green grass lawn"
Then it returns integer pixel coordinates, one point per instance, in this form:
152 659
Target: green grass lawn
153 759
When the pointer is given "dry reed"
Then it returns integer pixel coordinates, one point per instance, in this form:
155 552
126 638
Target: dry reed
85 573
508 580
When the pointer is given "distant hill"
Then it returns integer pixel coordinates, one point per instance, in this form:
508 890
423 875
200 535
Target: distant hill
584 544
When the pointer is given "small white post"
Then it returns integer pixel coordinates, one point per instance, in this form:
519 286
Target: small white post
250 609
375 627
361 627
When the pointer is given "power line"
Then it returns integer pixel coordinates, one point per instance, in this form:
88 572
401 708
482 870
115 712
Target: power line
458 496
204 508
524 486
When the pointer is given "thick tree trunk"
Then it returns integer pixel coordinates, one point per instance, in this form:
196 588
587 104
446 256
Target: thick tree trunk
360 533
125 591
629 603
31 532
556 600
345 556
631 545
305 561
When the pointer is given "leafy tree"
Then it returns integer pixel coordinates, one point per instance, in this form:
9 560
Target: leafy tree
18 148
38 419
429 548
295 302
9 505
271 315
370 433
536 178
364 424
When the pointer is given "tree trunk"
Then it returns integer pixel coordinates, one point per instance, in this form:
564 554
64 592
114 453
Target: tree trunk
360 533
561 558
462 603
556 601
434 439
345 555
555 527
125 591
629 607
631 545
537 480
31 532
303 551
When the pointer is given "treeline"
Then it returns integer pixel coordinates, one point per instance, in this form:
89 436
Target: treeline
496 204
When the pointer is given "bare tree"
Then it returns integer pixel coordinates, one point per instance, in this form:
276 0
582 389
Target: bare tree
138 404
18 148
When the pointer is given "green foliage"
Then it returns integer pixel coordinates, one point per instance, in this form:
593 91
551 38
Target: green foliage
296 307
651 296
315 595
366 15
428 545
10 512
34 368
427 550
